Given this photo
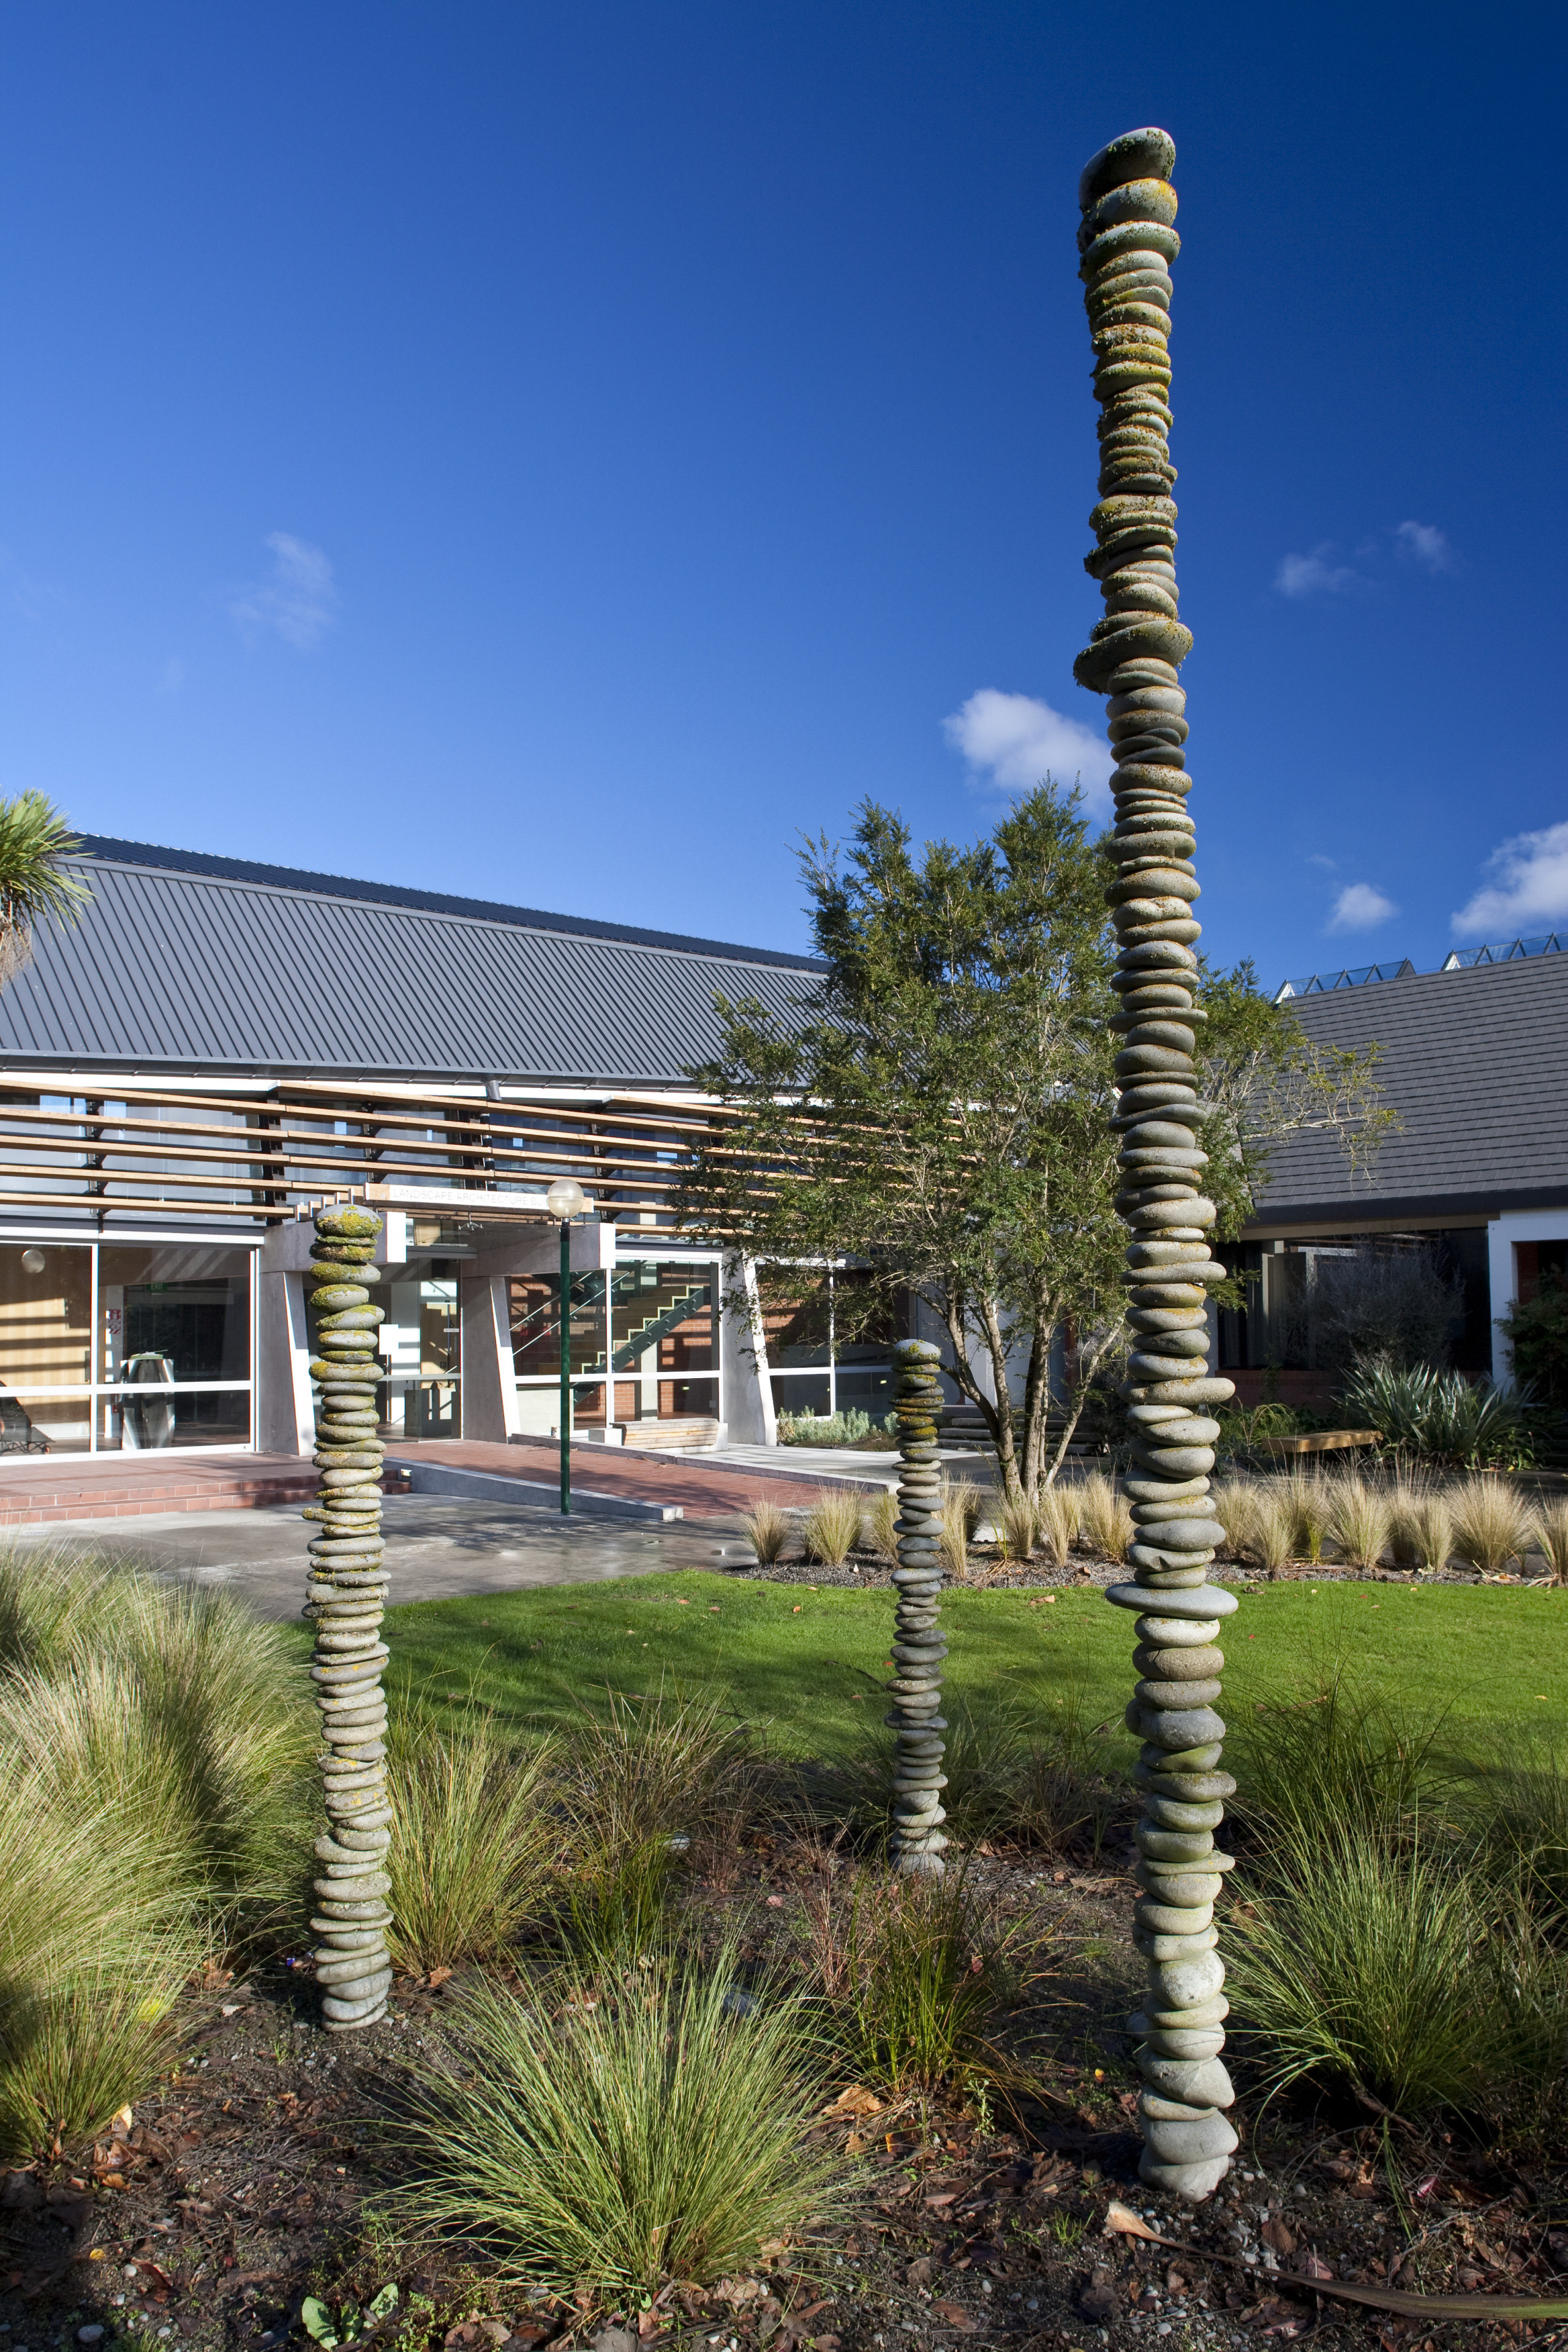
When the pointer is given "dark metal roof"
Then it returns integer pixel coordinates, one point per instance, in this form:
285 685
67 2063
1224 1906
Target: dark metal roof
1476 1064
215 964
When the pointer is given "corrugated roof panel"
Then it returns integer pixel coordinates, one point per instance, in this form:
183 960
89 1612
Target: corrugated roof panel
222 971
1476 1064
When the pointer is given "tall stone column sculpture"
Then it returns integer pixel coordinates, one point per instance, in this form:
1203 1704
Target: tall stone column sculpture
347 1589
1128 244
919 1649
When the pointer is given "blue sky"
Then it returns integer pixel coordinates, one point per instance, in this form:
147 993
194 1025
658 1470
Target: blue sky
559 452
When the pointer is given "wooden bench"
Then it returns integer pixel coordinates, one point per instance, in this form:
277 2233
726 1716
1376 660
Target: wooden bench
1321 1440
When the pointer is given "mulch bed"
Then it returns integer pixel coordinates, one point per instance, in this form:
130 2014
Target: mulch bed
242 2185
989 1572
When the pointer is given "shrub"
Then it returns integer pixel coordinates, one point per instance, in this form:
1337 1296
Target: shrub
824 1429
1492 1523
1392 1971
1536 1330
1105 1518
472 1842
1400 1306
1360 1520
919 1972
768 1529
1441 1416
833 1526
651 2135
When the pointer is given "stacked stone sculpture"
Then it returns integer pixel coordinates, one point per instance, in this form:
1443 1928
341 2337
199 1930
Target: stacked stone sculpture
1128 244
917 1840
347 1589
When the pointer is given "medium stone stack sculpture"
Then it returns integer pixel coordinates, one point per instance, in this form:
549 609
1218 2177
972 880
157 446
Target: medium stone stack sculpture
347 1589
1128 244
919 1649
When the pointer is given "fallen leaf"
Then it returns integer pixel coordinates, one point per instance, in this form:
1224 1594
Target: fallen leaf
856 2101
122 2119
737 2292
1121 2218
776 1902
437 1976
942 2199
1274 2233
953 2315
919 2272
1314 2267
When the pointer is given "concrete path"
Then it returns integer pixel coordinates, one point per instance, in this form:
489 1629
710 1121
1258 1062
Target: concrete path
437 1548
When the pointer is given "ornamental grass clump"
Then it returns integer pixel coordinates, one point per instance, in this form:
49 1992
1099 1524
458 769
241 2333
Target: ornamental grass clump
1056 1523
616 2133
1307 1494
1338 1759
1238 1506
920 1974
959 1517
474 1841
768 1529
881 1527
1105 1518
1360 1519
1393 1972
1492 1523
1020 1524
1552 1535
833 1526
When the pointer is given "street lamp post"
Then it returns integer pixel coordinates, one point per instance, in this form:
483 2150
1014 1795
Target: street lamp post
566 1199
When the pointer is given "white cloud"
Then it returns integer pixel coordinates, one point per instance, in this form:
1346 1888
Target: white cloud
300 601
1314 575
1425 544
1528 887
1361 907
1018 740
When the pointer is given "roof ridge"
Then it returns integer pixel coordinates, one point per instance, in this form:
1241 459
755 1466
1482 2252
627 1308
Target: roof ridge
201 863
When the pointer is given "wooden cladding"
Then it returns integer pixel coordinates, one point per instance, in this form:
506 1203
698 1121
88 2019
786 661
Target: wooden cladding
266 1155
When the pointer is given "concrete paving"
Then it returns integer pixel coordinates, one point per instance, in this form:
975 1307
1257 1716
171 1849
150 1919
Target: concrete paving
437 1548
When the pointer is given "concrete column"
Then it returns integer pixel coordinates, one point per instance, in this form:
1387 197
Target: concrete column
489 1388
745 1391
285 1401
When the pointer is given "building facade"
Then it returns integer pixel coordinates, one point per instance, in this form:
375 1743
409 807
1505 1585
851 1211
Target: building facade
1473 1062
218 1047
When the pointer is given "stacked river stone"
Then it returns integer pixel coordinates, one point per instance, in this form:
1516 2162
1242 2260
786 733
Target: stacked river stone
918 1647
1128 244
347 1589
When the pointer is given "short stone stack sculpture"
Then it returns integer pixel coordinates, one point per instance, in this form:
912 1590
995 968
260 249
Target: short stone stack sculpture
919 1649
347 1590
1128 244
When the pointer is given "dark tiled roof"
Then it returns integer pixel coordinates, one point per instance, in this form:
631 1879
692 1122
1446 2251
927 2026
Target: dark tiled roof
222 965
1476 1064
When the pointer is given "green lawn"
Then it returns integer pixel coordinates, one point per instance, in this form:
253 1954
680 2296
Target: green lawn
807 1665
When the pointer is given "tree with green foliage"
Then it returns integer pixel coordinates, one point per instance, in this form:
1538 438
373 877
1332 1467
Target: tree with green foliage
35 843
1536 1330
938 1110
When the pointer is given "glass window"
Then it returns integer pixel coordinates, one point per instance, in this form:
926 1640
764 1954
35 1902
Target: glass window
45 1316
188 1310
668 1311
536 1326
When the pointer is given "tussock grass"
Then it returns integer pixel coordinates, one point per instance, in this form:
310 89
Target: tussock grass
833 1526
959 1517
1307 1494
1020 1523
1340 1759
622 2136
1552 1535
919 1973
768 1531
882 1526
81 2044
1055 1523
1105 1518
1492 1523
473 1841
1392 1971
1360 1519
1239 1507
